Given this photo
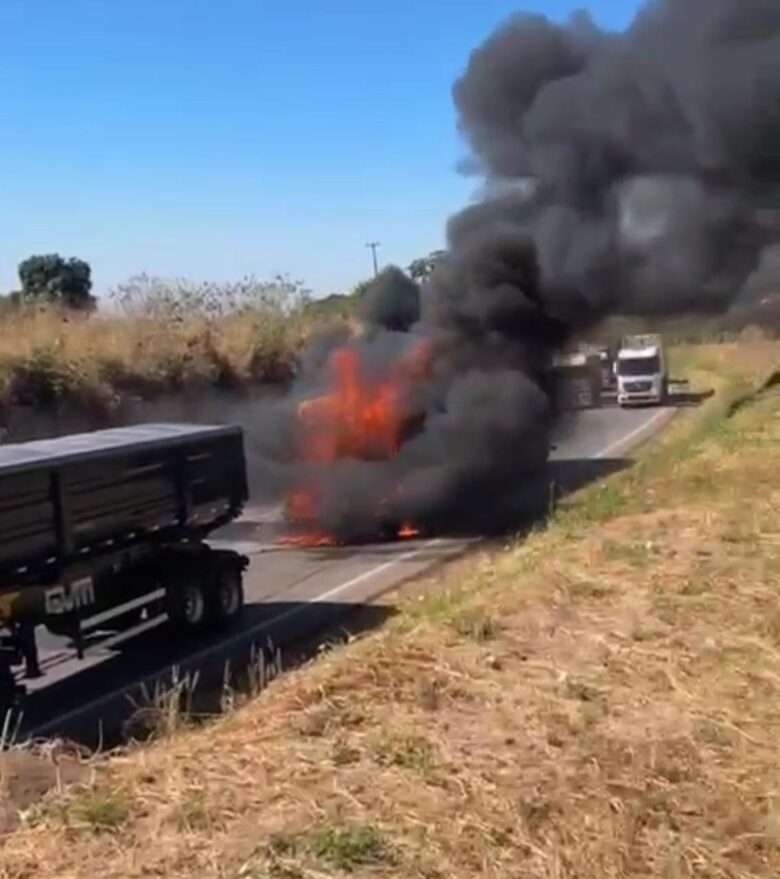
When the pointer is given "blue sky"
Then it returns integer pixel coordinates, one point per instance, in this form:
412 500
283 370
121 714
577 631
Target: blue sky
215 139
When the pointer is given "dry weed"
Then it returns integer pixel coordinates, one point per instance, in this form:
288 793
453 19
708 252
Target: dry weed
46 355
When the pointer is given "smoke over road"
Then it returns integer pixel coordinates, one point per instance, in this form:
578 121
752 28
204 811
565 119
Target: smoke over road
649 154
624 173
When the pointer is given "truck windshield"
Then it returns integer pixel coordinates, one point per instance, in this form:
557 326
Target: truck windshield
639 366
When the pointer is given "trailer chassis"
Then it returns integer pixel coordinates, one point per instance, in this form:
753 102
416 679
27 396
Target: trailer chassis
203 590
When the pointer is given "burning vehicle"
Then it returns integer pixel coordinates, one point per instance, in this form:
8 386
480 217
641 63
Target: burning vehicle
577 380
361 417
625 174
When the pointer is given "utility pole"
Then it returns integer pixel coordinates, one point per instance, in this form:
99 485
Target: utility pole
373 245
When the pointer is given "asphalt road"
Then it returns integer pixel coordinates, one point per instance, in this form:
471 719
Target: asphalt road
291 593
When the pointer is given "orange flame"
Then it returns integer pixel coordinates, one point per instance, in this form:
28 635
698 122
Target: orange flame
309 541
359 418
356 420
407 531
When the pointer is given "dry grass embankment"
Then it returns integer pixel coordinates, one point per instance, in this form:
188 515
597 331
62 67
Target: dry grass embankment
46 355
601 699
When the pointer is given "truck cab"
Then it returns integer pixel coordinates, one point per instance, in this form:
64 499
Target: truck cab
641 371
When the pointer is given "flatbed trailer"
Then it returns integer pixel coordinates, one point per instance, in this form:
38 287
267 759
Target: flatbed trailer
89 522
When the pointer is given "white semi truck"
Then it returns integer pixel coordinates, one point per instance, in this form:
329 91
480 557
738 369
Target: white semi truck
641 370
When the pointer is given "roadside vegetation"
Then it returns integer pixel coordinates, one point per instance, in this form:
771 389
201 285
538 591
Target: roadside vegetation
153 336
47 355
174 341
156 338
598 699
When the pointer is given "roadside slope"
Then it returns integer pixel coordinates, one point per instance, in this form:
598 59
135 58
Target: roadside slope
600 699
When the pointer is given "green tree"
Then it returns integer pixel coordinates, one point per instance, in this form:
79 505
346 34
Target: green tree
359 290
51 279
420 269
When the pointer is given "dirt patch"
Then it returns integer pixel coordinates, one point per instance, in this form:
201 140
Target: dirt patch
26 776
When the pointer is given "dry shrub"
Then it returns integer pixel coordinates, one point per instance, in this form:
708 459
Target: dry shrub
48 355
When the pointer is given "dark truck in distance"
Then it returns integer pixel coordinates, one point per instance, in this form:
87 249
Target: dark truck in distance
92 522
576 380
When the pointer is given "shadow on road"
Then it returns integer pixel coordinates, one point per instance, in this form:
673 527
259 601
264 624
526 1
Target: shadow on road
122 698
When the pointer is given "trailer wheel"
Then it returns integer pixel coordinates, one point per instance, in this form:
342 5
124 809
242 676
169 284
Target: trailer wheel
226 598
187 606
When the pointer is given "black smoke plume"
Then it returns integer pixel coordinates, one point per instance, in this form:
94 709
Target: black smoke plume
392 301
645 165
625 173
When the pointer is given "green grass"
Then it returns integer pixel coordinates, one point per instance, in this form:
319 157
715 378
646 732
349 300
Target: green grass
100 811
193 813
352 847
345 847
635 554
476 624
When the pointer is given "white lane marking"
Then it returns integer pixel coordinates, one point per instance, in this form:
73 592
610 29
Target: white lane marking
112 612
247 547
126 634
241 636
92 652
109 642
663 413
52 658
359 578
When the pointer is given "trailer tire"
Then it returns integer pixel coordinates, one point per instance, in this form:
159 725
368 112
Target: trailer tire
187 605
226 597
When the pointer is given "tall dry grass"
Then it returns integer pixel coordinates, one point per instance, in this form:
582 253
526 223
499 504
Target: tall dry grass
166 336
46 354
